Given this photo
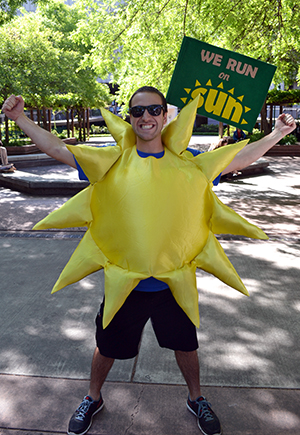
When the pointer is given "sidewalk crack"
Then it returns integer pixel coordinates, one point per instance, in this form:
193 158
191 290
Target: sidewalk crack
135 412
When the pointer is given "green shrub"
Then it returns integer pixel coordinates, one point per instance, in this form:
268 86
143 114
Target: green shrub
207 128
97 129
62 135
255 135
17 142
276 96
290 139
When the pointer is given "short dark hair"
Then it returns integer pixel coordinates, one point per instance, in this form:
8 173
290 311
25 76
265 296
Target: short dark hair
152 90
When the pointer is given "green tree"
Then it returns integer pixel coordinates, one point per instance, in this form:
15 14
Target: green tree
60 22
40 61
137 42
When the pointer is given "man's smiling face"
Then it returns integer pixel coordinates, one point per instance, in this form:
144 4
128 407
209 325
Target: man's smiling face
148 127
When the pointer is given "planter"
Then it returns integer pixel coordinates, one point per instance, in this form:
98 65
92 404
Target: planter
70 141
284 150
24 149
32 148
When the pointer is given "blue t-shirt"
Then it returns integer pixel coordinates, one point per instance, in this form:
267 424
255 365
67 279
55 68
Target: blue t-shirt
149 284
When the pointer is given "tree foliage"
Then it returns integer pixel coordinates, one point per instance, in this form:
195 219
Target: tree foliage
8 9
137 42
291 96
40 60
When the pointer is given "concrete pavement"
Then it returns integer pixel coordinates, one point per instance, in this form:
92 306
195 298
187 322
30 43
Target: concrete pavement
249 347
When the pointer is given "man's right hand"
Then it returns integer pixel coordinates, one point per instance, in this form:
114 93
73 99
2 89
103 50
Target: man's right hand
13 107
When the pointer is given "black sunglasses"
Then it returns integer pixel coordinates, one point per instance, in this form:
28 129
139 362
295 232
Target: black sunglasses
153 110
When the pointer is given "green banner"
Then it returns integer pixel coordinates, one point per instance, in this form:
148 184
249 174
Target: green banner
232 87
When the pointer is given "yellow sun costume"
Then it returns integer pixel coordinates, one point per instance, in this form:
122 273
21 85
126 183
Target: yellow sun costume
150 217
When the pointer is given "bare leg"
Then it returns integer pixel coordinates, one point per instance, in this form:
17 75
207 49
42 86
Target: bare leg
101 366
3 156
188 363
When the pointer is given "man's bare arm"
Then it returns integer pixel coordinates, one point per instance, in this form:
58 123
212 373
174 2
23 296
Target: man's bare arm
284 125
13 108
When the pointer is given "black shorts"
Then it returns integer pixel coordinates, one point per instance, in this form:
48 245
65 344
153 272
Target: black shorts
121 338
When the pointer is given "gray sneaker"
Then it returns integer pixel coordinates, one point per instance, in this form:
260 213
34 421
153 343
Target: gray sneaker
82 418
208 422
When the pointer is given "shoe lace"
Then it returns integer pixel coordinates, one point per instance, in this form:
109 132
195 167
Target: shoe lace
204 410
82 409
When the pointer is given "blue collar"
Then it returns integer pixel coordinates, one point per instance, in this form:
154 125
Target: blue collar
156 155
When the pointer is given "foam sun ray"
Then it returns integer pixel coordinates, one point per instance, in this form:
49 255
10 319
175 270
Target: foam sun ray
214 162
177 134
224 220
86 259
214 260
118 285
183 285
76 212
95 161
120 130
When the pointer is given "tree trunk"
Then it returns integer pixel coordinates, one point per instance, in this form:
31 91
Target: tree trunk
221 129
6 130
68 122
264 123
72 121
79 124
88 122
83 125
44 118
38 117
49 120
271 118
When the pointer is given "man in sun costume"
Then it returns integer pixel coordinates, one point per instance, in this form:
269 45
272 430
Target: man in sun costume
151 216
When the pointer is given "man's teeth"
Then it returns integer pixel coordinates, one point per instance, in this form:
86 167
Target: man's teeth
146 126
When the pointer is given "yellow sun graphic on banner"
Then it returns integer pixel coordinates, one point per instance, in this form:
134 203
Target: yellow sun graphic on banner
217 102
150 217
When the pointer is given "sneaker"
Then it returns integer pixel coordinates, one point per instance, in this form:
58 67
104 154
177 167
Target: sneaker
82 418
208 422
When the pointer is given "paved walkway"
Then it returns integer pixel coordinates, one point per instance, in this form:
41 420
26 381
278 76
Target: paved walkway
249 347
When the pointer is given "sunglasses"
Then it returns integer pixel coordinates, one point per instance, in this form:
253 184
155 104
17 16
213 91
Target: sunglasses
153 110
